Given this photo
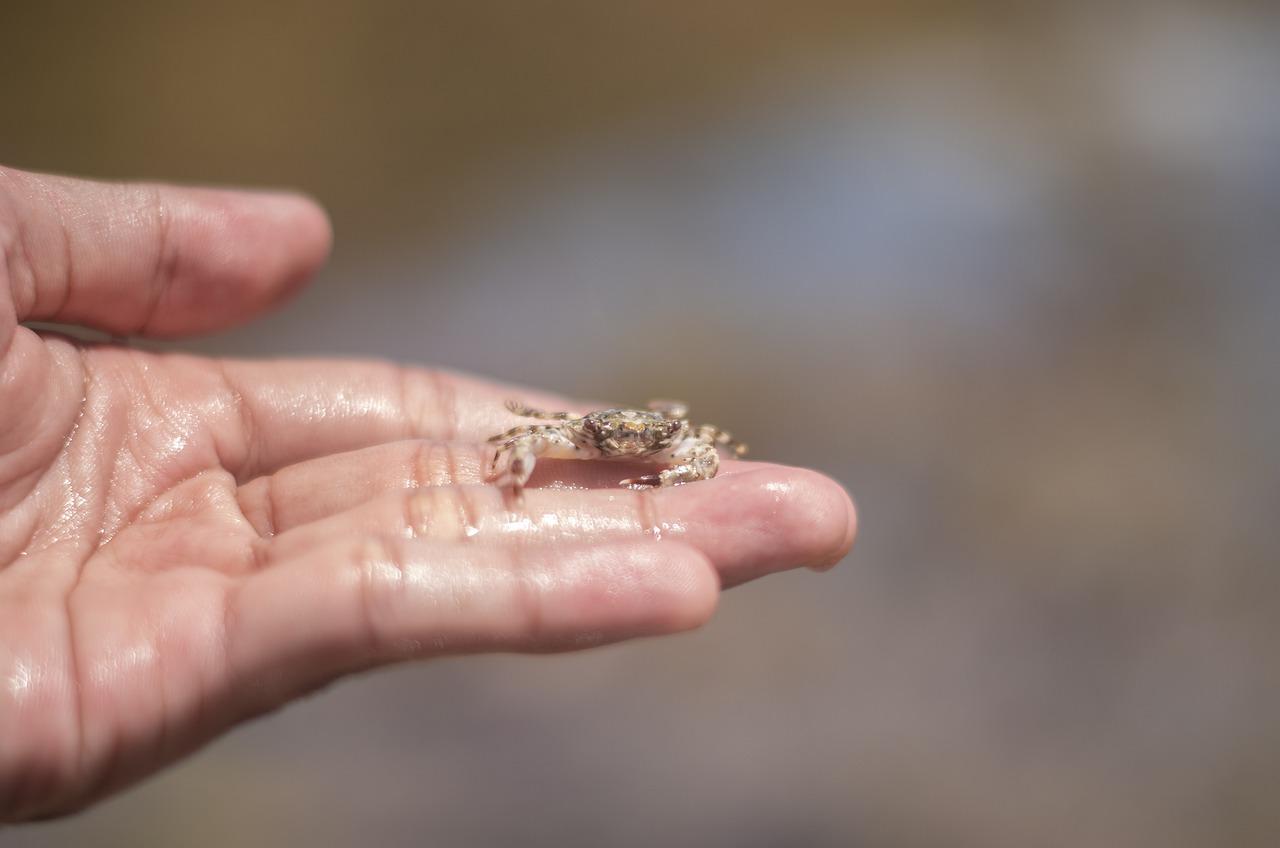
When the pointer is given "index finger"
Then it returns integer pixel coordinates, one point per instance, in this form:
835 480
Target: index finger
289 411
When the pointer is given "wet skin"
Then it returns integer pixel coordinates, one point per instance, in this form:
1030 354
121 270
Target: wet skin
187 542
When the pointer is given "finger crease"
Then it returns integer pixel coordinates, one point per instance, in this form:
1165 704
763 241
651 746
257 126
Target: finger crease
24 286
248 425
373 558
68 263
417 515
420 474
269 507
166 257
260 552
451 465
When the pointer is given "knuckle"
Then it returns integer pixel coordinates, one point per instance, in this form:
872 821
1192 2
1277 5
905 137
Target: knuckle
17 274
159 214
435 513
408 396
438 464
448 513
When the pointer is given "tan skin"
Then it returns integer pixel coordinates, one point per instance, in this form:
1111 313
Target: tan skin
186 543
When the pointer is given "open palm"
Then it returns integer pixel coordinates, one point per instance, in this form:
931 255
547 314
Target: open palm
187 542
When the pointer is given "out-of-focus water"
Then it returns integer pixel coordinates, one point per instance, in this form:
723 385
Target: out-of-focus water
1012 279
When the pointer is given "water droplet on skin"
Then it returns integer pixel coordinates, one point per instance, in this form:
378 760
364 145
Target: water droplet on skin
20 680
567 487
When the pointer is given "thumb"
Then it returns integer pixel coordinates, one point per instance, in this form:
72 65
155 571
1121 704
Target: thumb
149 259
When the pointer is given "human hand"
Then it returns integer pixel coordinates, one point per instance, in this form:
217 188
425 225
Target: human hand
186 542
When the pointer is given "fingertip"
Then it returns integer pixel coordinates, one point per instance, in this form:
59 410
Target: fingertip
816 512
847 537
302 221
235 254
766 519
689 585
308 235
642 588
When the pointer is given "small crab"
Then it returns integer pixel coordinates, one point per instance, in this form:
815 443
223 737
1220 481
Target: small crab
661 432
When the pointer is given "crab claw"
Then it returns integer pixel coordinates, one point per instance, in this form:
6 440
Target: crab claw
643 482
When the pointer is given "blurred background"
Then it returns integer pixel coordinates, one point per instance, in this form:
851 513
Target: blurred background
1008 271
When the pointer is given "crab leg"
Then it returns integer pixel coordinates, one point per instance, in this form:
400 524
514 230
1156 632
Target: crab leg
517 433
696 459
674 409
522 450
520 409
723 438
